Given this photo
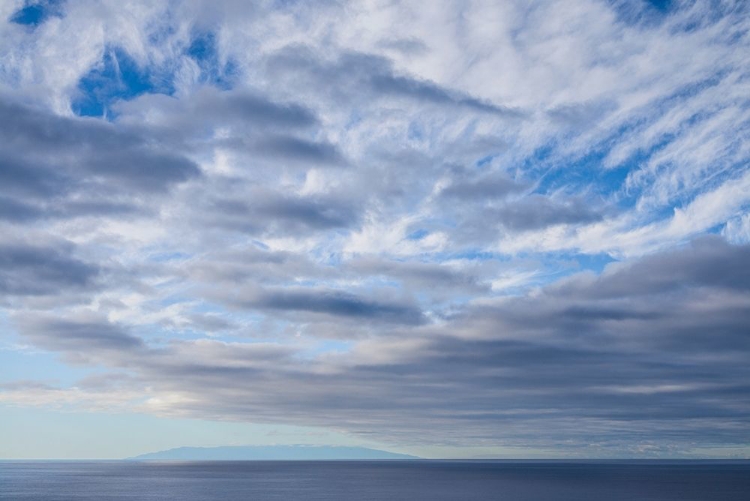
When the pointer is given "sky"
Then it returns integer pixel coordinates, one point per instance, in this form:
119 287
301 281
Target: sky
457 228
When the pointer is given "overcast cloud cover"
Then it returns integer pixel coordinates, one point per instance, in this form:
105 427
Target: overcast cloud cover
520 227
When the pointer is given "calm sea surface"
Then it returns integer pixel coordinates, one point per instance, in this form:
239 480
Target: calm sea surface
371 480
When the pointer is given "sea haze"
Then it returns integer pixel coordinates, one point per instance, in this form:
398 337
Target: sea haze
269 452
375 480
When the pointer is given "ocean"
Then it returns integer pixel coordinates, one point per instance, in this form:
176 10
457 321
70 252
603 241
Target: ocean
374 480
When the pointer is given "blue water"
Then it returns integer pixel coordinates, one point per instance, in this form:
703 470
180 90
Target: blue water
374 480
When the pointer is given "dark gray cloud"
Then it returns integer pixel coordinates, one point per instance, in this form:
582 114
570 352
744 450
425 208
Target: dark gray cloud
249 263
34 130
42 270
319 214
80 340
251 123
300 149
248 107
209 107
56 209
61 167
257 211
578 368
47 191
334 303
356 76
27 178
538 211
482 210
434 277
389 84
17 211
707 262
141 168
479 189
479 206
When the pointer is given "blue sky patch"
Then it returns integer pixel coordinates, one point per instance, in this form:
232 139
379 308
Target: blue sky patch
203 49
35 13
642 12
417 234
117 77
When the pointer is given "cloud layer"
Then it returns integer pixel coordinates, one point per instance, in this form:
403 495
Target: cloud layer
475 224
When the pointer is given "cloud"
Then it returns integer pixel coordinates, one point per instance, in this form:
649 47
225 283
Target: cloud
708 261
353 72
631 366
247 107
63 167
418 275
537 211
481 188
251 123
334 303
210 106
43 270
294 148
485 223
594 364
80 340
14 210
269 212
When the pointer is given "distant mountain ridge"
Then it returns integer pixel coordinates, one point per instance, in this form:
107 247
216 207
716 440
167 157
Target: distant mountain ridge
269 452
